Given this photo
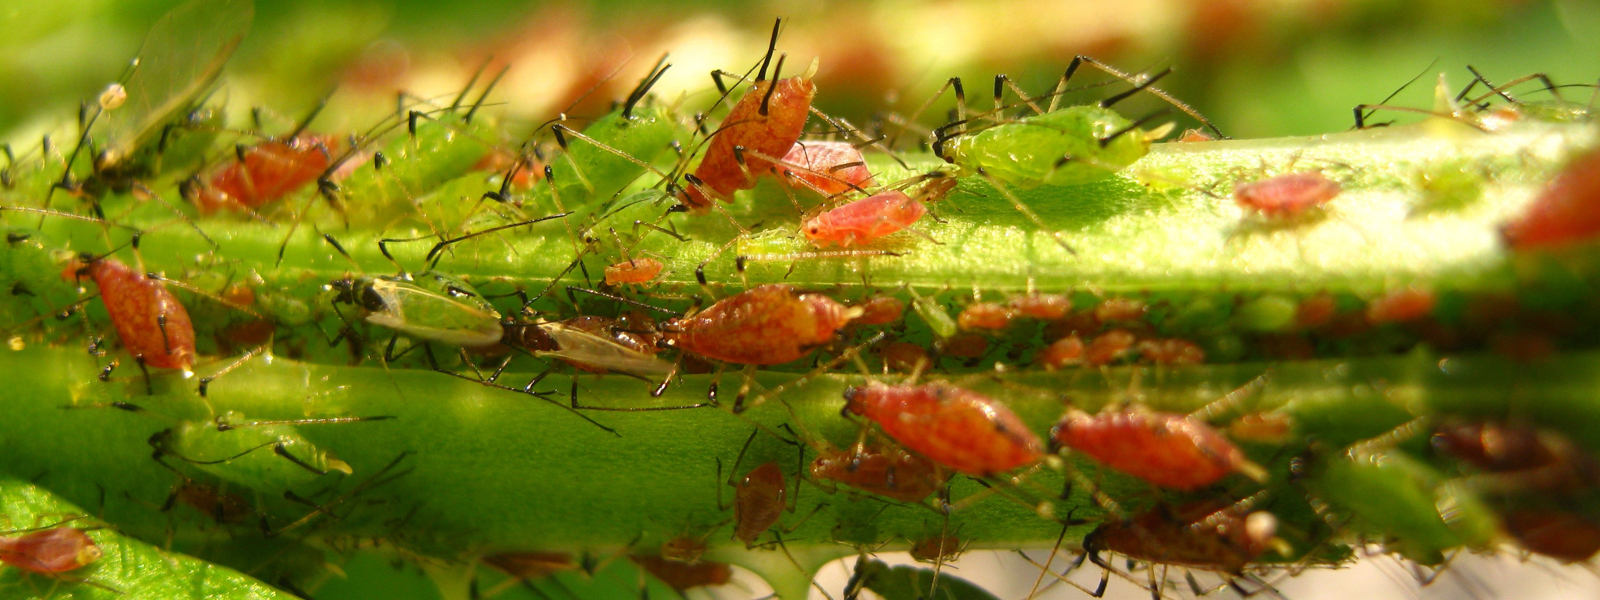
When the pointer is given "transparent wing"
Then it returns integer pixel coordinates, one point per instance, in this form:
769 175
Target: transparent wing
181 57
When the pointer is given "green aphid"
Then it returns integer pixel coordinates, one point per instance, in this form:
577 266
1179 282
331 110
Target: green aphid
433 151
269 457
911 583
180 60
1071 146
611 152
1406 504
934 314
429 306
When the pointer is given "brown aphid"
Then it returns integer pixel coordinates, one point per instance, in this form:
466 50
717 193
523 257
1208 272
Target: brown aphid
1045 307
1559 534
758 502
1170 351
965 345
682 576
635 271
223 507
1109 347
1399 306
905 357
984 315
937 549
531 565
1202 535
880 310
882 469
1065 352
1120 309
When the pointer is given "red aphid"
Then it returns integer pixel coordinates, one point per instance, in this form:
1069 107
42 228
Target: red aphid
638 270
884 470
1567 213
1399 306
1202 535
1045 307
758 502
762 133
880 310
1170 351
1286 196
984 315
1167 449
828 167
152 324
1315 311
265 173
1195 135
957 428
766 325
1065 352
682 576
1109 347
54 550
864 220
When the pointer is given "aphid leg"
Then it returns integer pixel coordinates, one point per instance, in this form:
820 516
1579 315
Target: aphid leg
1001 82
529 391
205 382
379 478
1027 212
1228 402
747 379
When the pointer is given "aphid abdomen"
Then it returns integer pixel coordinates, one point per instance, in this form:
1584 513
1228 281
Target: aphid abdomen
1202 536
1166 449
150 321
758 502
957 428
770 134
886 471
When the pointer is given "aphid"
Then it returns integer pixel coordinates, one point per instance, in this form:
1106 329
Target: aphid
635 270
1109 347
152 324
970 346
1563 215
1166 449
763 125
682 576
1399 306
864 220
1286 196
1543 460
432 306
905 357
880 310
957 428
830 168
223 507
263 174
1200 535
766 325
181 57
1564 535
1390 495
594 344
1170 351
937 549
531 565
1315 311
1065 352
882 469
985 315
1120 309
1195 135
266 456
1045 307
618 147
759 500
49 551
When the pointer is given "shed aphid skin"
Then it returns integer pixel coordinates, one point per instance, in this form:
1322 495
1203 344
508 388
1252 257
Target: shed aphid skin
1168 450
827 167
181 58
763 125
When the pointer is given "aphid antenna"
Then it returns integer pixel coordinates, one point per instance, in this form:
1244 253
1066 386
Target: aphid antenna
644 85
743 260
202 293
485 96
617 298
305 122
1027 212
545 396
1231 400
1145 85
435 253
471 83
379 478
1550 86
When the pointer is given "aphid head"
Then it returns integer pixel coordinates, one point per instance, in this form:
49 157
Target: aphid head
852 401
359 292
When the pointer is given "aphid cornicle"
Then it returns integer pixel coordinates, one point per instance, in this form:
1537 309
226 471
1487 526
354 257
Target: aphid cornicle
766 325
49 551
959 429
152 324
763 125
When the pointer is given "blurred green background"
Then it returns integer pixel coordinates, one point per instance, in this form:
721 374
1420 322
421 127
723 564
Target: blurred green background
1258 68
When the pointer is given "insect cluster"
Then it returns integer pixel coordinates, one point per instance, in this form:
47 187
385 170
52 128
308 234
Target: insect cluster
650 245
